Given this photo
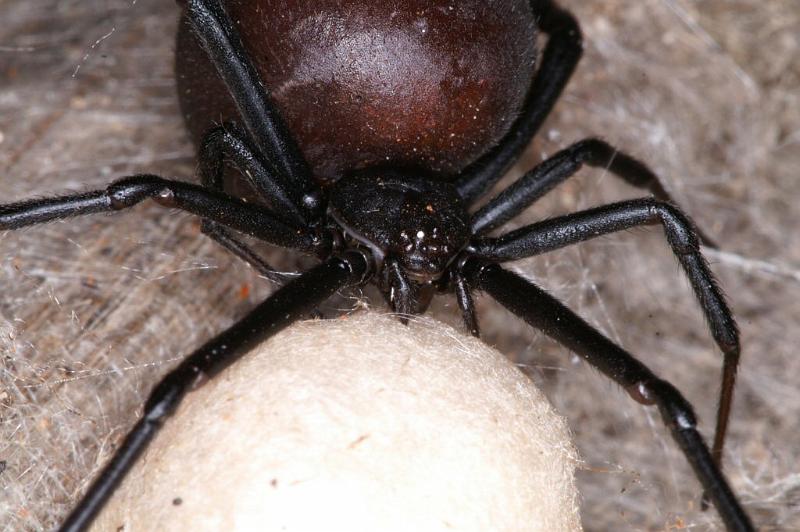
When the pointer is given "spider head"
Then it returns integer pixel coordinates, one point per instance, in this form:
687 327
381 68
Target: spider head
425 245
418 222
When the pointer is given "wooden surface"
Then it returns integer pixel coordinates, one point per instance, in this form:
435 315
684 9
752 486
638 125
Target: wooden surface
93 310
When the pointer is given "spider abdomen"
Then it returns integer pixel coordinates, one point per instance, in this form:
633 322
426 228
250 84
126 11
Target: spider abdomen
425 83
422 223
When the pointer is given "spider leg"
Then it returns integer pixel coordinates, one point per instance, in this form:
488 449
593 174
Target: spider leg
562 231
558 168
466 304
398 290
233 244
217 35
231 212
230 242
289 304
544 312
283 196
559 59
227 142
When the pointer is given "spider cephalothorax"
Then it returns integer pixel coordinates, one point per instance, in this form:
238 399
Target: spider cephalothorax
413 226
338 185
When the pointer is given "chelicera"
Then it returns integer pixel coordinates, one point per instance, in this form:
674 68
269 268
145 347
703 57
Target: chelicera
383 189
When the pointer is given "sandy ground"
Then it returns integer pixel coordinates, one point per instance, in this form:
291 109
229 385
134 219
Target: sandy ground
94 310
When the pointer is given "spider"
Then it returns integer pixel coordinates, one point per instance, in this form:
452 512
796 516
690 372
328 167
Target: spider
410 229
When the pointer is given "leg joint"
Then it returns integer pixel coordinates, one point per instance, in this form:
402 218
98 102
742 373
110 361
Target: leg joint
593 151
678 227
131 190
677 412
167 394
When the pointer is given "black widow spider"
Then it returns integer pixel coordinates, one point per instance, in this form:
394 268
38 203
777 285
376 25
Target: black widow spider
416 237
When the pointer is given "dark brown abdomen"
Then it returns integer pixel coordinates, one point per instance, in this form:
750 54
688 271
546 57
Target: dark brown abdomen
409 83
